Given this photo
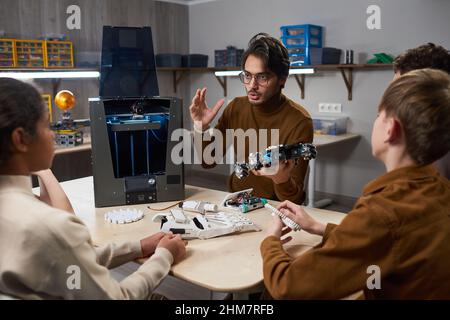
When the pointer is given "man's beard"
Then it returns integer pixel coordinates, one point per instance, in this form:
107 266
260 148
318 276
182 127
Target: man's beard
264 100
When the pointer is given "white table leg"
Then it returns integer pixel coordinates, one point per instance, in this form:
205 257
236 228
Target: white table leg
312 187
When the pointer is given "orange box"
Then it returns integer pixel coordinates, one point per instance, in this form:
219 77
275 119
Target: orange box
30 53
7 53
59 54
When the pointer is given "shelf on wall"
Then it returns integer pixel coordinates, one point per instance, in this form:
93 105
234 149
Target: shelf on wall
345 69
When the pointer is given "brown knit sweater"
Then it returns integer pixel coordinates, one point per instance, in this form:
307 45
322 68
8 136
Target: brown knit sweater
294 124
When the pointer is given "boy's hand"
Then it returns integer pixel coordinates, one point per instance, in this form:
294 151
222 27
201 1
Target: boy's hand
278 229
298 215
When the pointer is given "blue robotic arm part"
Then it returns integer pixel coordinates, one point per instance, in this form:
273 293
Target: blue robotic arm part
273 155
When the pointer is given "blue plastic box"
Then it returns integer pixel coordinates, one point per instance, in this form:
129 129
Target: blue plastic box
301 35
330 125
299 39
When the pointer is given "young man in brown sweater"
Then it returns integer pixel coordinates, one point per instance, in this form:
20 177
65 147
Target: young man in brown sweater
265 70
426 56
394 244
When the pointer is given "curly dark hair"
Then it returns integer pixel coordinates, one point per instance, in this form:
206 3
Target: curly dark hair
273 53
425 56
21 105
420 100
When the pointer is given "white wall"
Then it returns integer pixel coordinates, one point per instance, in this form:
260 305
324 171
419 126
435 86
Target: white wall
405 23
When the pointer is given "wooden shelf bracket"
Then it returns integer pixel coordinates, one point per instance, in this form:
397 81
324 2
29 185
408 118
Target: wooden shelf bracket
301 83
223 83
178 75
348 79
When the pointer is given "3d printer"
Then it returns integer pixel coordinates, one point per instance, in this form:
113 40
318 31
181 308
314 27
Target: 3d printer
130 127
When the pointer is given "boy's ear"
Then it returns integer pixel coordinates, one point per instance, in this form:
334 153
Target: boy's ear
394 130
20 140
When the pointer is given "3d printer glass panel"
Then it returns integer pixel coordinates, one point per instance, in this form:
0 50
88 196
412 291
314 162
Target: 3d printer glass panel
138 141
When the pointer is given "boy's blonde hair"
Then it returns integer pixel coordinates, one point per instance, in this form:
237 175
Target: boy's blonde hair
420 100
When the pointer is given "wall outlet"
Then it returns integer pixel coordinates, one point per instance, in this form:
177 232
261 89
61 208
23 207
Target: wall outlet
325 107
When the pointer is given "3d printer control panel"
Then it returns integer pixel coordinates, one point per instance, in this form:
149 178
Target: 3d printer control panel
141 189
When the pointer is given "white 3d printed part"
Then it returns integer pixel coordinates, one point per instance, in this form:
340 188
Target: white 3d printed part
287 221
122 216
206 226
199 206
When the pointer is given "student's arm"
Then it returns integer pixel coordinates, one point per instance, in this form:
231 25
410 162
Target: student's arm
113 255
70 257
51 191
338 266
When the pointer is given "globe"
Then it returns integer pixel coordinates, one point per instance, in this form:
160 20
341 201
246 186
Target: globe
65 100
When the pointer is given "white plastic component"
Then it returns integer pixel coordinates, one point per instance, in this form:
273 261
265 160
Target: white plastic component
203 221
122 216
211 207
178 215
207 226
158 217
288 222
325 107
233 195
199 206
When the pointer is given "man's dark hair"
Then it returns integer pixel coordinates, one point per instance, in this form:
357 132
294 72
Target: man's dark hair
21 105
425 56
271 51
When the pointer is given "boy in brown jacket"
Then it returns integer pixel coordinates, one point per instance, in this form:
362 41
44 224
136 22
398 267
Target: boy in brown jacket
394 244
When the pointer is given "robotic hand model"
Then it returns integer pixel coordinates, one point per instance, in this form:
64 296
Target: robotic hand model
273 155
209 225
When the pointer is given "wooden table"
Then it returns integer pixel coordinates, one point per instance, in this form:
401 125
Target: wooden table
225 264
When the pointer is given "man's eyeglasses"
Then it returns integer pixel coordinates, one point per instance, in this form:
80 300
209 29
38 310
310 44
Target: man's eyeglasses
261 78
